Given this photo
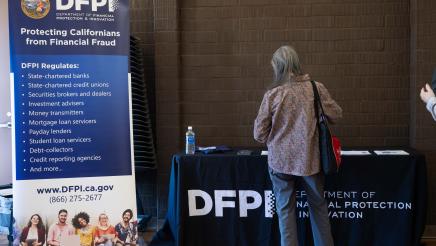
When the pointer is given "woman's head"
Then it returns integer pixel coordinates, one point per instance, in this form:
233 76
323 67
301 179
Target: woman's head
35 220
103 219
80 220
286 64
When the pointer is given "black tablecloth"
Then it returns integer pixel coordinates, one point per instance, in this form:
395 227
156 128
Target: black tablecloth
226 199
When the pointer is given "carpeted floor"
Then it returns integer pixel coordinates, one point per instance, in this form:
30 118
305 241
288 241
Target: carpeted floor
428 239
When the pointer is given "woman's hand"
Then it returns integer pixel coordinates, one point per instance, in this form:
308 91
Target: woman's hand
426 93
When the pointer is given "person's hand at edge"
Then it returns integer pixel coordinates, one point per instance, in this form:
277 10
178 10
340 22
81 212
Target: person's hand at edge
426 93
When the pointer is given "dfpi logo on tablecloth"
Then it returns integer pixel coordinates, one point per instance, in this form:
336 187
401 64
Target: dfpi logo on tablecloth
37 9
247 200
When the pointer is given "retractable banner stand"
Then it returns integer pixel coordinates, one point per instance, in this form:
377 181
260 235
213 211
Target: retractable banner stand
73 160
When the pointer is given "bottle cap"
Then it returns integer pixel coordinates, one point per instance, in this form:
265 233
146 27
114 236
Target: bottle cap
189 127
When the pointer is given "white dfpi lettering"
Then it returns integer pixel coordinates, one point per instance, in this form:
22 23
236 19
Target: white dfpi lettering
193 210
221 200
29 65
245 205
220 204
95 4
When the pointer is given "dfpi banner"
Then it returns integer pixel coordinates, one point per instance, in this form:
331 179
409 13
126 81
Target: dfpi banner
73 172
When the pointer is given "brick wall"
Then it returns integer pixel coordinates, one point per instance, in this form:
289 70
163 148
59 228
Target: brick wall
212 65
359 50
423 57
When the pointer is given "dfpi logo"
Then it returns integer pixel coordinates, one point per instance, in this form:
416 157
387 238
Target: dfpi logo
247 200
35 9
96 5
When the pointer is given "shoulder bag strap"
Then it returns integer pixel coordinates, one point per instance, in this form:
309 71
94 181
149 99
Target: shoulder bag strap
317 102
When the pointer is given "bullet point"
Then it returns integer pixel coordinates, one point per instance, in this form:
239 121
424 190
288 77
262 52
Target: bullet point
24 122
22 76
24 169
22 94
24 160
22 104
24 113
24 132
24 141
22 85
24 151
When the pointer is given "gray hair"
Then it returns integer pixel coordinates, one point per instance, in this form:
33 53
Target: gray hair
286 64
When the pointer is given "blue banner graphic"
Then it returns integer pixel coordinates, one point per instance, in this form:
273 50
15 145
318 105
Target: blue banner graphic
72 137
65 128
70 66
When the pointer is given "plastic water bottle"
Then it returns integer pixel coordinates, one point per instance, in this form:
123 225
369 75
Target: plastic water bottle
190 141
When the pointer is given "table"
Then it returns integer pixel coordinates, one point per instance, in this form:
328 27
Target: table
226 199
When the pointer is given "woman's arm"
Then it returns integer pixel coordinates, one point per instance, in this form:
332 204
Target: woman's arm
431 107
262 124
41 236
332 110
24 233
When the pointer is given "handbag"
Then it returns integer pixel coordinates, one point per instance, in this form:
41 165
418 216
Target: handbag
329 146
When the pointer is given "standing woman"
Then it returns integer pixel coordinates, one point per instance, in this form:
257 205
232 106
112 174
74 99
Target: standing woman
34 233
286 122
